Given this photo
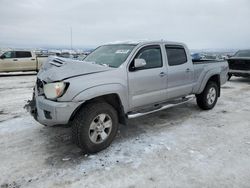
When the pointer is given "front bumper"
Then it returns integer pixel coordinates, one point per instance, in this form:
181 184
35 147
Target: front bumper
243 73
50 113
232 71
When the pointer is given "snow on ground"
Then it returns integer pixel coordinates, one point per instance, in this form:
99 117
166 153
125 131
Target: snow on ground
15 89
179 147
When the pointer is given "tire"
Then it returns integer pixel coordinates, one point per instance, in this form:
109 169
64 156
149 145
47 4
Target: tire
208 98
94 127
229 77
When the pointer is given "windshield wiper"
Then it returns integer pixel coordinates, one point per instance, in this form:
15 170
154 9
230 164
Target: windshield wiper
102 64
107 65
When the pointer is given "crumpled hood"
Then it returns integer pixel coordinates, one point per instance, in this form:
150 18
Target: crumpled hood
57 69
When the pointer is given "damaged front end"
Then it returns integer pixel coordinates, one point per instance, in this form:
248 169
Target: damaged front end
52 84
49 112
30 106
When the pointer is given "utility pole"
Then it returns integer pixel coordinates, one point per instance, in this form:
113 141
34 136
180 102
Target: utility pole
71 38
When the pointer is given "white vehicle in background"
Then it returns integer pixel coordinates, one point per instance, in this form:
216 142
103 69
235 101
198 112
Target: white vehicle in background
14 61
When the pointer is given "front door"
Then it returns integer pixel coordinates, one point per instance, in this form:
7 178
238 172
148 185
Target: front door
8 62
147 84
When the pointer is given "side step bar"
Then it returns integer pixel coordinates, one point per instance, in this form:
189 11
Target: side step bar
163 107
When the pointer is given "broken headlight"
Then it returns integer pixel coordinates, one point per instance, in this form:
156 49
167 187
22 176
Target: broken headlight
55 90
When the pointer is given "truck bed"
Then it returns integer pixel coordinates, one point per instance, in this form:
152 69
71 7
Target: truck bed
201 69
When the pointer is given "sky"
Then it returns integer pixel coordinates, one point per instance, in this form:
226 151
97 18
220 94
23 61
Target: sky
201 24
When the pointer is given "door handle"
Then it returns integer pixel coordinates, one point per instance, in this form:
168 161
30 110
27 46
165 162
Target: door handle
15 60
162 74
188 70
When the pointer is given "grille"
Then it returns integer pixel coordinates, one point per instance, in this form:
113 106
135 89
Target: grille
239 64
39 85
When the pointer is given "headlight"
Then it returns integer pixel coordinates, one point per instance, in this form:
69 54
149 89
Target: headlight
54 90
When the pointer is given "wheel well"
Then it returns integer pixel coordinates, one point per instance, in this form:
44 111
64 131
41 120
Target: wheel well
113 100
215 79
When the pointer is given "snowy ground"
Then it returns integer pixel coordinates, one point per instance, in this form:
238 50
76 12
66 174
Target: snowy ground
178 147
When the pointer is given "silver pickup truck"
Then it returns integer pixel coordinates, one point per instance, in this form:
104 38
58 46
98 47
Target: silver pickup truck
121 81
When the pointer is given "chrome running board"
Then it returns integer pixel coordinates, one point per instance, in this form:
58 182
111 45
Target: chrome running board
163 107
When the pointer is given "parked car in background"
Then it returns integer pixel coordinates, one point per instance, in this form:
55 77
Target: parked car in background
81 57
239 64
205 56
120 81
13 61
197 56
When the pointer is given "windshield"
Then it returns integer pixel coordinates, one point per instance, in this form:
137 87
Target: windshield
242 53
110 55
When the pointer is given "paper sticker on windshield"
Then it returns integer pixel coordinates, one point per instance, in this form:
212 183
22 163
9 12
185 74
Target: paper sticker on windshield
122 51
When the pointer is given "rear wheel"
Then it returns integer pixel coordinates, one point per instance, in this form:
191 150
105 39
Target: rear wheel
95 126
208 98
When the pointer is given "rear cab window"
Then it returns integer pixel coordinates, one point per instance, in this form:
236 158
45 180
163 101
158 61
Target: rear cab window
176 55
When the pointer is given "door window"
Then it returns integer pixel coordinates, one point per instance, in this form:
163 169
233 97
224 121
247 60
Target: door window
23 54
152 56
8 55
176 55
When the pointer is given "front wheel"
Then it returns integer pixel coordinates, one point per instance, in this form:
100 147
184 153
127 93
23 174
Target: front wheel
95 126
208 98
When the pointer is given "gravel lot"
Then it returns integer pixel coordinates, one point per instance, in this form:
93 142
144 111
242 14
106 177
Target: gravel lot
178 147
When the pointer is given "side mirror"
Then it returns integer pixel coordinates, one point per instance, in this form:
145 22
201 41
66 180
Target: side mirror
139 63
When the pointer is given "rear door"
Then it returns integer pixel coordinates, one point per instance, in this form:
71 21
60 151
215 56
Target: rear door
180 72
25 60
147 84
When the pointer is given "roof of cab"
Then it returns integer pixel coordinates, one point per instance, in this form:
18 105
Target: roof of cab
143 42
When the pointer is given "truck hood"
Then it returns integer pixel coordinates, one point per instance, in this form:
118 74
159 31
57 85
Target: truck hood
58 69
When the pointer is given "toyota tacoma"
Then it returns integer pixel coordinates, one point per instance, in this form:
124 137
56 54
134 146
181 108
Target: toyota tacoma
120 81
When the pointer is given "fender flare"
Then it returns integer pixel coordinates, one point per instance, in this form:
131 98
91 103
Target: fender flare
104 89
206 78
